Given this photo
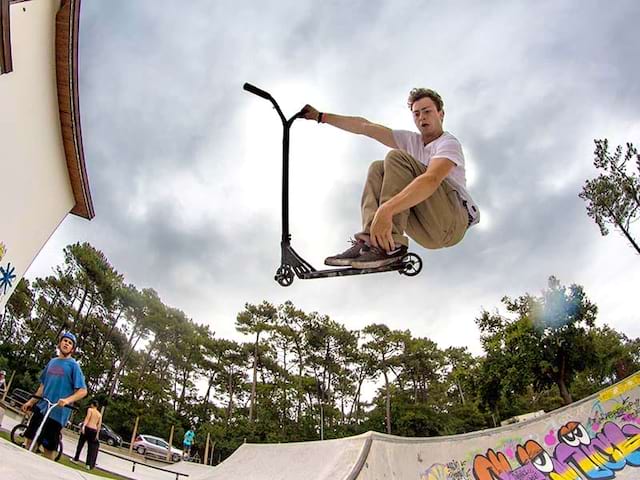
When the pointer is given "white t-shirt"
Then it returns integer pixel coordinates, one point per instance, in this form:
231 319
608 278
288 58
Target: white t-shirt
445 146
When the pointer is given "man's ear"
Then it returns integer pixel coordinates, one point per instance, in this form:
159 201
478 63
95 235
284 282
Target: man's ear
441 115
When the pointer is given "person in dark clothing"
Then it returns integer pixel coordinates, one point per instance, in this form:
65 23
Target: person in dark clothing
89 434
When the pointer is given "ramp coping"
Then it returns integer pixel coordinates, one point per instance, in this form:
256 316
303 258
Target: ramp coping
362 458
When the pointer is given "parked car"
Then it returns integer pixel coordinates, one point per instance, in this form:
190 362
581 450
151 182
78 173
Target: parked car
106 435
150 445
17 397
110 437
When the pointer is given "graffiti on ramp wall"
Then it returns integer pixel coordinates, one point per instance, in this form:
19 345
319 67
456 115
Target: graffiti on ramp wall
598 447
576 455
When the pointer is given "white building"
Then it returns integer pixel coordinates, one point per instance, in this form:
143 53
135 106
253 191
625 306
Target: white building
42 170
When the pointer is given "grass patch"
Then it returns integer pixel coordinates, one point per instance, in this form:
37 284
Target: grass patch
96 471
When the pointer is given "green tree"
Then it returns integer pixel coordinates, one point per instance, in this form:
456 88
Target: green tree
614 356
422 363
461 373
134 327
613 198
17 312
329 345
546 343
385 348
255 319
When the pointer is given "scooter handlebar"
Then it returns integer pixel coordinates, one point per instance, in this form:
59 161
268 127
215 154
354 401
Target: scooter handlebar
38 397
256 91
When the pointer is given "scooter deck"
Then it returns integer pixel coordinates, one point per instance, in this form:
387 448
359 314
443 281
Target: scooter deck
343 272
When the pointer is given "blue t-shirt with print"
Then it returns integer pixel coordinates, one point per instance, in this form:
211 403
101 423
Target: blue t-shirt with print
61 377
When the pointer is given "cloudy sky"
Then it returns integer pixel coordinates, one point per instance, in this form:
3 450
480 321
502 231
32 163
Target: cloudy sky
185 166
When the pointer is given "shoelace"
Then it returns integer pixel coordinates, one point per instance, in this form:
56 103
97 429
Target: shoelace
364 245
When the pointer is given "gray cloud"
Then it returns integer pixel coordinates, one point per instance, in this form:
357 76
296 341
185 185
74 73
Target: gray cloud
185 166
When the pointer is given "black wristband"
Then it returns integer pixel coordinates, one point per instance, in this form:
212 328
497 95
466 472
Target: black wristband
320 114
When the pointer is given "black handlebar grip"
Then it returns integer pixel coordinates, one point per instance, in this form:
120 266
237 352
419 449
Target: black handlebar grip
256 91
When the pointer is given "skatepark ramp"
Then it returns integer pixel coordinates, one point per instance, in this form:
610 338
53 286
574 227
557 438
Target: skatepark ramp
595 438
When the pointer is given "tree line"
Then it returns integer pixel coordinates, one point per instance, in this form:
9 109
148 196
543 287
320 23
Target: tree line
302 376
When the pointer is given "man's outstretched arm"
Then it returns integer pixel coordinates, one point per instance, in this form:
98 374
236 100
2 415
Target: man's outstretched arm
357 125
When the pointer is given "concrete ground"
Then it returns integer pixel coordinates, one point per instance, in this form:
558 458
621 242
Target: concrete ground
17 463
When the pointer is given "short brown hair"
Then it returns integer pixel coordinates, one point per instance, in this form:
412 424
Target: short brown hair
417 93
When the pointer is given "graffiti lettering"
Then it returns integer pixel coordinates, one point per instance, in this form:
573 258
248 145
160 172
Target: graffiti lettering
527 472
599 458
575 456
491 467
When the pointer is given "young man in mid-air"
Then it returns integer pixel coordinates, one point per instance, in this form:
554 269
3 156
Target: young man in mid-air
61 382
419 189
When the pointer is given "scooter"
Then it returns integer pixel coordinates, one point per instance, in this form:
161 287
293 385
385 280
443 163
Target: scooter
17 434
292 264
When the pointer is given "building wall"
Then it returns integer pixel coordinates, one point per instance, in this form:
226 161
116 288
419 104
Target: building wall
34 180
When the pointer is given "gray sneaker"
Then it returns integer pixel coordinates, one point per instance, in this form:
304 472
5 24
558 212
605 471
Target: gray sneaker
377 257
345 258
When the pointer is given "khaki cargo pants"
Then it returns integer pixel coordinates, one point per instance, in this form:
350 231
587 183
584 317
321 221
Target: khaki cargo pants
439 221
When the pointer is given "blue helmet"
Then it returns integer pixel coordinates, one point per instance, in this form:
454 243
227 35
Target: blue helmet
70 336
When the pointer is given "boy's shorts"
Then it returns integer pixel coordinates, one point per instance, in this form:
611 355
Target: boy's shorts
50 435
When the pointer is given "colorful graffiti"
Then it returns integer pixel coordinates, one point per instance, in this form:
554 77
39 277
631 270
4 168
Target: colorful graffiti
454 470
577 455
458 470
7 275
437 471
624 387
626 410
6 278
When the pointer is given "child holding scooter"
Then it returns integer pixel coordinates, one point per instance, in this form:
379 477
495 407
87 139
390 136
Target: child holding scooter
62 382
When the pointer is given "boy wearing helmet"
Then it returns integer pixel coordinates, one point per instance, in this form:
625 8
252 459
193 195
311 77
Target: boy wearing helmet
61 381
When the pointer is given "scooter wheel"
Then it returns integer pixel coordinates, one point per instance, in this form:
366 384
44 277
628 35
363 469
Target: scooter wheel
284 275
17 434
412 265
60 450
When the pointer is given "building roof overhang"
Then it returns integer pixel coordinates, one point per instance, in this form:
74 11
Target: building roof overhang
67 24
66 48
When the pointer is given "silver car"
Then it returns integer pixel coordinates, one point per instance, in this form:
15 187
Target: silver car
155 446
